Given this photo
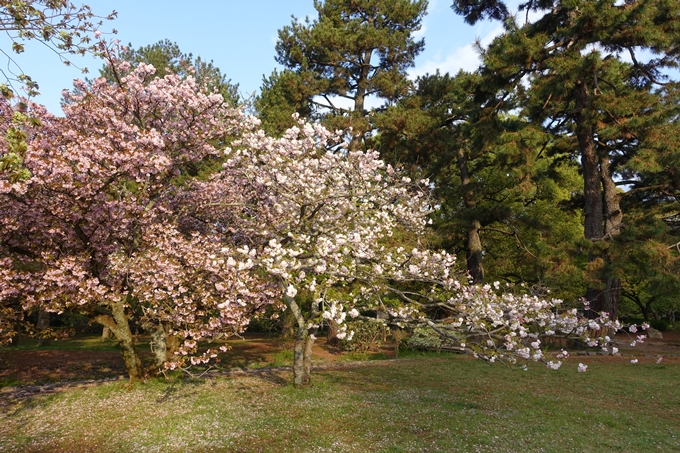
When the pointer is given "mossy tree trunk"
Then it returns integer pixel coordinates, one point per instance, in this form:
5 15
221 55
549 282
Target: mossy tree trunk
119 324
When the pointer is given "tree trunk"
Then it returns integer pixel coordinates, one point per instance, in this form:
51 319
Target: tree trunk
288 331
474 243
474 255
302 358
332 336
163 345
119 324
158 347
43 324
613 223
304 342
591 174
592 211
106 333
307 357
359 102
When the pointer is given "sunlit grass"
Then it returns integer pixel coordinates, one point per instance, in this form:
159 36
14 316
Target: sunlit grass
448 404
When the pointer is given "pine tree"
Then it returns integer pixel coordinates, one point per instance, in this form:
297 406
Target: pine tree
353 50
499 192
566 70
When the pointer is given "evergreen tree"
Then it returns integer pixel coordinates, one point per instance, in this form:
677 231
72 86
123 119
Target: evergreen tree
283 94
499 190
588 98
353 50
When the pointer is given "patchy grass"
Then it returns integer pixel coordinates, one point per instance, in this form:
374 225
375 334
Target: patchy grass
89 343
446 403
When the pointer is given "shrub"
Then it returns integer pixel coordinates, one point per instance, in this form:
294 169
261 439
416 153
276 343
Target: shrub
367 335
661 325
427 339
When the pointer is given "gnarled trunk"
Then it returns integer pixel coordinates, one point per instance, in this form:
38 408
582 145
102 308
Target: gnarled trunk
159 348
302 358
163 345
304 342
119 325
288 331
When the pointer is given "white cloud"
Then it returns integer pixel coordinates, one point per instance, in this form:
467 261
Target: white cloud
420 33
461 57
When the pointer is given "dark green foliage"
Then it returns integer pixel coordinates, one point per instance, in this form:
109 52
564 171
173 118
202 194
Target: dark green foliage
283 94
354 49
475 10
565 75
495 178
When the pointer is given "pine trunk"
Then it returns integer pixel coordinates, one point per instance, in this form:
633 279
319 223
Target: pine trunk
474 242
592 211
474 254
613 223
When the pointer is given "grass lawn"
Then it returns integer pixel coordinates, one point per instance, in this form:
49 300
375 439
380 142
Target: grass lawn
446 403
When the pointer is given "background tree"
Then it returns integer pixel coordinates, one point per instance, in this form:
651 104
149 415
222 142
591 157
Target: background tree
282 95
498 190
353 50
587 97
167 58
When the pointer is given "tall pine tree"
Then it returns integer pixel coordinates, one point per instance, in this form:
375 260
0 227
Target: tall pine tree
567 71
353 50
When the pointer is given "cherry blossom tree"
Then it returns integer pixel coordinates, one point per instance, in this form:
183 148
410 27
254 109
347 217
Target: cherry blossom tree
95 228
60 25
320 221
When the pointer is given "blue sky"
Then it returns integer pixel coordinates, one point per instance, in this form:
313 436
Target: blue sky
239 36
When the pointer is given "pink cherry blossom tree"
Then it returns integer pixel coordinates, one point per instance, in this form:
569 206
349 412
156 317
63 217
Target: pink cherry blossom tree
95 227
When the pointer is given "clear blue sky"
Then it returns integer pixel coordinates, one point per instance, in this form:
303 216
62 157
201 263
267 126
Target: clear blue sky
239 36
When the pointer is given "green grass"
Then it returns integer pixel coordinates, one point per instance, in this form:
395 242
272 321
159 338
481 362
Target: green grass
282 358
89 343
447 403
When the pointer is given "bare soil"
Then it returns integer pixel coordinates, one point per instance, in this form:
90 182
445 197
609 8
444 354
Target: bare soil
41 366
